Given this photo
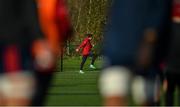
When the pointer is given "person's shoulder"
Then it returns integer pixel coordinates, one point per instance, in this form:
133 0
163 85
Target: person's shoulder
86 39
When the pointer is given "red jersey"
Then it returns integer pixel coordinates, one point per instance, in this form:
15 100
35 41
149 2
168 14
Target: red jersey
86 45
54 21
176 9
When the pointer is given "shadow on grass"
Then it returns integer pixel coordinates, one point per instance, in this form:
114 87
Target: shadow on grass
79 93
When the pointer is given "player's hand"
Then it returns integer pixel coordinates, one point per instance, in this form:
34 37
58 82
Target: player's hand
43 56
77 50
44 60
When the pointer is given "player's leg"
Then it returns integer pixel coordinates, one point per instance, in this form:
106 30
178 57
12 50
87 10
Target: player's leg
146 88
43 81
157 91
1 93
178 83
17 89
94 57
169 97
1 69
17 85
84 58
114 85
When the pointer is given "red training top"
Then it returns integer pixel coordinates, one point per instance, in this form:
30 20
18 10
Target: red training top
176 9
86 45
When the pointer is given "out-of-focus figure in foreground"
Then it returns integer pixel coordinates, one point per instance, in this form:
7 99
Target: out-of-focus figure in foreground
132 32
55 24
173 59
19 30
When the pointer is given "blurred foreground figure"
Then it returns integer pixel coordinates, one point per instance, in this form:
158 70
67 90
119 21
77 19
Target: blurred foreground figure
130 38
19 31
55 25
173 59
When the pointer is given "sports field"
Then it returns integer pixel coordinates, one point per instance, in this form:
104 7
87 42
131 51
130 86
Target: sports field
71 88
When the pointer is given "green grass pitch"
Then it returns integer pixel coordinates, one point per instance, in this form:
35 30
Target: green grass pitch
71 88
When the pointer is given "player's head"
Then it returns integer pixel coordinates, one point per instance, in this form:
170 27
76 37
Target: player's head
89 36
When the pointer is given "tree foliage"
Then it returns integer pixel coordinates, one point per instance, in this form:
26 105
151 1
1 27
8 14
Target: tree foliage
88 16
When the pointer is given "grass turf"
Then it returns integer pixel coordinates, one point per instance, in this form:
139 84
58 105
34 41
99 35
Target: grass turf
71 88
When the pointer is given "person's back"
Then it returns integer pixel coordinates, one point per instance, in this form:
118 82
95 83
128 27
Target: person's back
19 29
17 21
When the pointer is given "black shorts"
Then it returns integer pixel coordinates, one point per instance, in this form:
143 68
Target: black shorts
15 58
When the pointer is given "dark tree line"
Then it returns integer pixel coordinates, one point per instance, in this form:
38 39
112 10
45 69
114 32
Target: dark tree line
87 16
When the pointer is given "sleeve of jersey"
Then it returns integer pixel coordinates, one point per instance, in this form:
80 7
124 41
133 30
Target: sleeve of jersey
63 21
83 44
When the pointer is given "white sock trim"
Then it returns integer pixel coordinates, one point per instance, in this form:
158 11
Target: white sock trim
114 81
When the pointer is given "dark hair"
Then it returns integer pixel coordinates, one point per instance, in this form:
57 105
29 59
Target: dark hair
89 35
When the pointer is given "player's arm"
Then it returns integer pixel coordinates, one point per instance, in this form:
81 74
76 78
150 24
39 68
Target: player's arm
81 45
63 20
